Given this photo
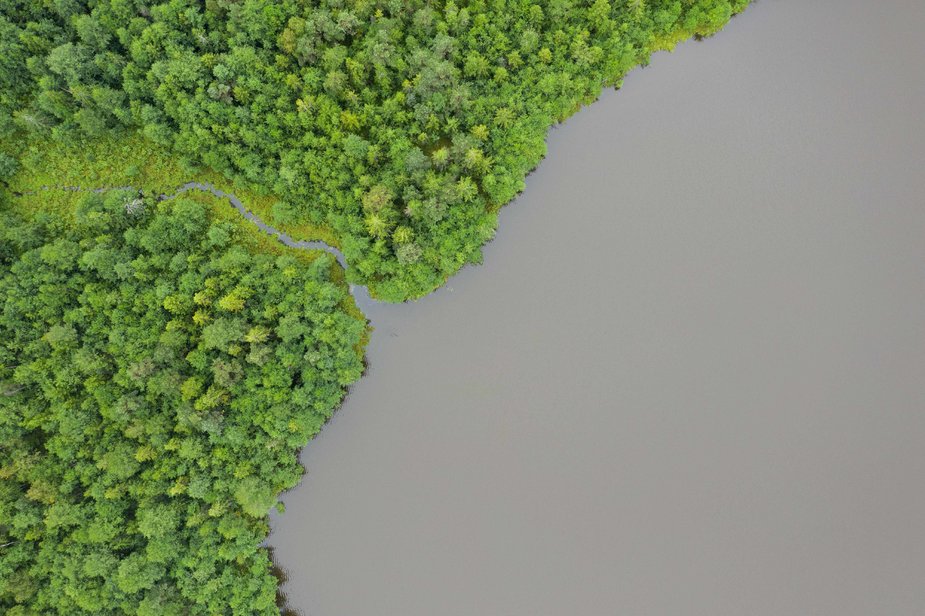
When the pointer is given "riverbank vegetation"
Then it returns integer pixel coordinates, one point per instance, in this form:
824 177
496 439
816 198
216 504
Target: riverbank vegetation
160 361
401 126
156 380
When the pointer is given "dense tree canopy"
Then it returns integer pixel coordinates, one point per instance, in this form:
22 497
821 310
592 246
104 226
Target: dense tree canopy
159 367
156 379
403 125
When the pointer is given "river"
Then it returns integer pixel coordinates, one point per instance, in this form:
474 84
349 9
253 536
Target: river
689 377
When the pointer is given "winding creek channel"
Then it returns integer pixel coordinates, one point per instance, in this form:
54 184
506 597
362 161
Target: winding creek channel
360 293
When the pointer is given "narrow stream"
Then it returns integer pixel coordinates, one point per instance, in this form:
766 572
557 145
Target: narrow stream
360 293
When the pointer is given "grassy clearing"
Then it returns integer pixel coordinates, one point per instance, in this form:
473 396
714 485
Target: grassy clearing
127 160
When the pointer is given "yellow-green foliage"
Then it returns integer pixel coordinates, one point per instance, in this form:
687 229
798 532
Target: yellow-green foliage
127 159
156 379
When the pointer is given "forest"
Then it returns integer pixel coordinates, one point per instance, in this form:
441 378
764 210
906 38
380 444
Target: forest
400 125
157 378
161 364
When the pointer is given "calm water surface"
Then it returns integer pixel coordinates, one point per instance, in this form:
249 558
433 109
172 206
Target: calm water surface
689 378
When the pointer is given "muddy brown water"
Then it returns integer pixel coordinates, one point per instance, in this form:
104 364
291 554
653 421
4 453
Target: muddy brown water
690 376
